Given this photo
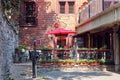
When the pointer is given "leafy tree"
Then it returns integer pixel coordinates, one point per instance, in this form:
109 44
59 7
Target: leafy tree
11 9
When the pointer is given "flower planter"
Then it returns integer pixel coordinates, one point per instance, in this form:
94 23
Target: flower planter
45 64
71 63
94 62
82 63
57 63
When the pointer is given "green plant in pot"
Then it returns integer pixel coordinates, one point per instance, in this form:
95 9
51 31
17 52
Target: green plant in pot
82 62
21 47
60 48
102 61
44 48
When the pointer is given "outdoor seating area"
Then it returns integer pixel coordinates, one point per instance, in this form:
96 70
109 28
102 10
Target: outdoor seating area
68 58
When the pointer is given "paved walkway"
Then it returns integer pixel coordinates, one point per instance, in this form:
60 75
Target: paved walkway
58 75
22 71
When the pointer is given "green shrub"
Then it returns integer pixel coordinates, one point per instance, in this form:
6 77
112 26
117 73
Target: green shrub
20 47
90 61
69 60
82 60
60 48
44 48
83 48
102 61
93 48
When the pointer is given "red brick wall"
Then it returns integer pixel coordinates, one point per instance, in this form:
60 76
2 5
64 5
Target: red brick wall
46 18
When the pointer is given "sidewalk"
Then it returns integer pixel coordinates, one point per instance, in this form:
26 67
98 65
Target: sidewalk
22 71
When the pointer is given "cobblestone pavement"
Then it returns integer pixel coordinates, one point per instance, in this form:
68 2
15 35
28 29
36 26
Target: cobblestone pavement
22 71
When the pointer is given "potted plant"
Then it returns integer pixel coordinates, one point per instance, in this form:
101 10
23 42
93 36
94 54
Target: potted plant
82 62
45 49
60 49
93 62
93 48
20 48
69 62
46 62
102 61
82 49
57 62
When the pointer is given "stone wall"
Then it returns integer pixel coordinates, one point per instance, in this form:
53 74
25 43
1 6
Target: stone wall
8 43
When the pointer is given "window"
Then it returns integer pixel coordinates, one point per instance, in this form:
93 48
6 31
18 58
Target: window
66 6
71 7
30 8
29 14
62 7
107 4
30 20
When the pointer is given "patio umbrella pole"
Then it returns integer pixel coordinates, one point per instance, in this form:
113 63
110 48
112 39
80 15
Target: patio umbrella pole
60 40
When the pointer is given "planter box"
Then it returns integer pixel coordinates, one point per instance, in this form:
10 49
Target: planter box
45 64
94 64
82 64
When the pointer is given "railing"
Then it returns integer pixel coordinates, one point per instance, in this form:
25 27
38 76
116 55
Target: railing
94 7
83 54
46 55
86 58
94 54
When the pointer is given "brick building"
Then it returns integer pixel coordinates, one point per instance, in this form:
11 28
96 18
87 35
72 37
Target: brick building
38 17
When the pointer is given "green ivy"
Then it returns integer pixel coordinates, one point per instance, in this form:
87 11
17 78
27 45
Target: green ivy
21 47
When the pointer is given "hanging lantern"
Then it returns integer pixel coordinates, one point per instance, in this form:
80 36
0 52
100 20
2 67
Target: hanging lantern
56 25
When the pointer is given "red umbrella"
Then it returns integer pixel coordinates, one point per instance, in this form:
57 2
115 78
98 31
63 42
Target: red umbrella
61 31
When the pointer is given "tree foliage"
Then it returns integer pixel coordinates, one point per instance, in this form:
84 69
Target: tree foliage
11 9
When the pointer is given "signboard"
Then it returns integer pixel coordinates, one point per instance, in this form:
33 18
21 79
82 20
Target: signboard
38 42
